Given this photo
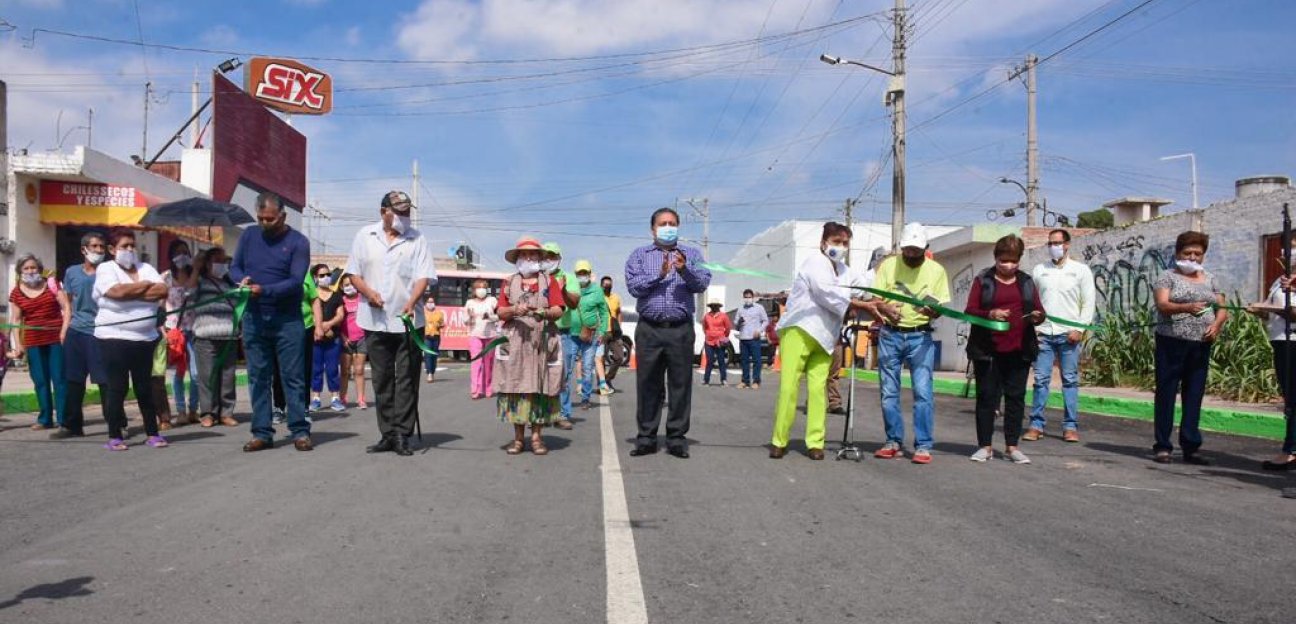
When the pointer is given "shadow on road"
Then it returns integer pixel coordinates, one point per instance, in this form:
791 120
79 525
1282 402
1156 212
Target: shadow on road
70 588
325 437
1224 465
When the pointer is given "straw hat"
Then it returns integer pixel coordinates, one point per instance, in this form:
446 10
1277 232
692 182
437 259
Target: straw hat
526 243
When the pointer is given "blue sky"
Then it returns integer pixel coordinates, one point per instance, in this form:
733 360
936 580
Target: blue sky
723 99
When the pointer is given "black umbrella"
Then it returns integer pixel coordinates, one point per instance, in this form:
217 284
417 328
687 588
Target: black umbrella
196 211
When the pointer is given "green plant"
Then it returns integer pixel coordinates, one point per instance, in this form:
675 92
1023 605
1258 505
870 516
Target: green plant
1123 354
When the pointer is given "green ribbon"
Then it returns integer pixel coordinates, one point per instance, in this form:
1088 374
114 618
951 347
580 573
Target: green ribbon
1075 324
12 326
415 335
490 346
241 295
949 312
241 291
720 268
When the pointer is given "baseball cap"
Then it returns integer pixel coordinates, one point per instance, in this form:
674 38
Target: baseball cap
398 201
583 265
913 235
552 249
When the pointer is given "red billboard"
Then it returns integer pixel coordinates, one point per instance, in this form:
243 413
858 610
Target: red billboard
253 150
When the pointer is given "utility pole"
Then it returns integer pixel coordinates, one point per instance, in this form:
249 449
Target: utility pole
1032 145
850 225
895 97
193 110
705 213
414 194
90 129
148 93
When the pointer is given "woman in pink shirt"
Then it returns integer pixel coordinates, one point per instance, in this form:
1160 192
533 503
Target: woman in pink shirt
354 352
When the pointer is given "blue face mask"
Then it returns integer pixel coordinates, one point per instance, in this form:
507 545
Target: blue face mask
667 234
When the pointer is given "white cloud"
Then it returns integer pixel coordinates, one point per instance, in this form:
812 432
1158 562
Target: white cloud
220 35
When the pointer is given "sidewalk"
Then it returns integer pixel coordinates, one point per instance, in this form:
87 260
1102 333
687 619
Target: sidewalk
1260 420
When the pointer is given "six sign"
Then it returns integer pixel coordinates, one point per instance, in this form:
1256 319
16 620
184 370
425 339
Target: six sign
289 86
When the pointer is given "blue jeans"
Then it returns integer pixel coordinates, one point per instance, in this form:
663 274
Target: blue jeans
1181 369
1068 356
265 340
573 349
716 355
45 363
429 360
324 365
749 353
895 349
177 379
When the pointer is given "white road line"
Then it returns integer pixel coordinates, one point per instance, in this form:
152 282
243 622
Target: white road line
625 598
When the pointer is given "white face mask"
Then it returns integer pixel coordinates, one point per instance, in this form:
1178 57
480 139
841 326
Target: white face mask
1189 267
125 258
431 305
583 279
400 224
548 266
94 258
349 291
481 293
748 301
836 252
219 269
182 261
1057 252
528 267
325 281
32 279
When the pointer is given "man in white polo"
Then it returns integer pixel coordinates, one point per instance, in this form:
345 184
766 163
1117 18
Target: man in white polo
1066 288
391 265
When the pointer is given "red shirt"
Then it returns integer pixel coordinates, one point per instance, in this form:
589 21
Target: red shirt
1005 296
555 293
716 327
40 311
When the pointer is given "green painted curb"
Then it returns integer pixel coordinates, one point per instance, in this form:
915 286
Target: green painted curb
1236 422
24 402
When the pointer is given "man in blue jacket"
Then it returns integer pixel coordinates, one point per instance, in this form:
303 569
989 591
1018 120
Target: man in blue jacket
271 261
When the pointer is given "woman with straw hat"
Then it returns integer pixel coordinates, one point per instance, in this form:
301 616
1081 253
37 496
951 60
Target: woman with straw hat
528 359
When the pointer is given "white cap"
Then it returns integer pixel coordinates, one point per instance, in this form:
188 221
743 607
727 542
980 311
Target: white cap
913 235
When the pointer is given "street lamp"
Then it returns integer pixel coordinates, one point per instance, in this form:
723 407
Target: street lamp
1192 159
895 98
1058 219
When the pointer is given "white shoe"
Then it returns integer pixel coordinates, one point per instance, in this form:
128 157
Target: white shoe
1017 457
982 454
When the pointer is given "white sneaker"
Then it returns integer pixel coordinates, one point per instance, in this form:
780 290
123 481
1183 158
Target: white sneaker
1017 457
982 454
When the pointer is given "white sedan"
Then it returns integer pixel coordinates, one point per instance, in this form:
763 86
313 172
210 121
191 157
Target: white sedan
630 319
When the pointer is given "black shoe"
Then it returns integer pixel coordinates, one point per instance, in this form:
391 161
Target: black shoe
643 449
585 405
384 445
400 446
1279 466
64 433
678 450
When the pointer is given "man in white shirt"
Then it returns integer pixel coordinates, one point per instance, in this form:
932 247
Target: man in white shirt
391 265
1066 288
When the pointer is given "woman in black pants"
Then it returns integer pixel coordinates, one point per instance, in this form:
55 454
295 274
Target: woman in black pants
1003 360
128 293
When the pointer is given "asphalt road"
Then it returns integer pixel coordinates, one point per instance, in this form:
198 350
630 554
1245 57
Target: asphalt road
201 532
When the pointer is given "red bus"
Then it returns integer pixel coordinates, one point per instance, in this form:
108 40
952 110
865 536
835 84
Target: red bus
453 289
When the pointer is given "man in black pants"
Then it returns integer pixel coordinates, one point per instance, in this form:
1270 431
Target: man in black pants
664 277
391 265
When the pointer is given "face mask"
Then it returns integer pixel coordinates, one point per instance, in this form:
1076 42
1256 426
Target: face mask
528 267
431 305
94 258
481 292
400 224
584 280
271 229
182 261
32 279
324 281
1056 252
219 269
607 290
749 302
1188 266
349 291
125 258
1006 268
667 234
913 262
836 252
715 309
549 266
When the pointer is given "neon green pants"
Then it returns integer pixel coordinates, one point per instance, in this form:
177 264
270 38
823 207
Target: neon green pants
800 355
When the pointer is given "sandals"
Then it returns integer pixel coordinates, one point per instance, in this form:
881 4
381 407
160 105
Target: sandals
164 425
1161 457
157 441
115 444
538 446
207 421
514 448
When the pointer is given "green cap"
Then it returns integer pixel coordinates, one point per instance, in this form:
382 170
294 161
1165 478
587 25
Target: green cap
552 249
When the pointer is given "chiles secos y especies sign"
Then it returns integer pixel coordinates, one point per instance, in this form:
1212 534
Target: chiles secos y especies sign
289 86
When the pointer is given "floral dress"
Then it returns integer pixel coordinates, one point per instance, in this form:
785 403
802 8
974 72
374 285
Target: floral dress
528 366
